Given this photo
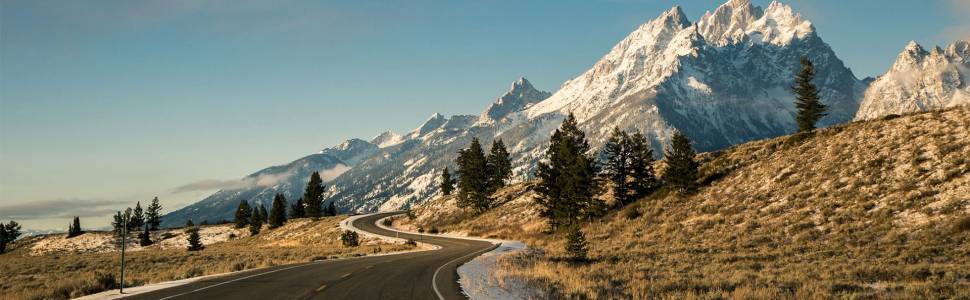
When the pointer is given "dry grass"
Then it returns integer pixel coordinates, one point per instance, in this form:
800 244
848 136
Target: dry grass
62 275
872 209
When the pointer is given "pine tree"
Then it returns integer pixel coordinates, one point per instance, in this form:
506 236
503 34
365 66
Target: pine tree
277 214
567 181
681 172
243 215
641 166
313 196
447 183
576 244
145 238
618 152
3 239
188 223
331 209
473 178
75 228
195 242
263 214
153 216
498 167
297 210
118 224
137 218
256 223
807 100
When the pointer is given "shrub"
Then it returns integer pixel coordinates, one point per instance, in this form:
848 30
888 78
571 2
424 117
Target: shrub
411 242
350 238
890 117
387 222
433 230
576 244
962 224
632 212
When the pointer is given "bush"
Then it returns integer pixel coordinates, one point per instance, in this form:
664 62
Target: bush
962 224
350 238
433 230
387 222
411 242
576 244
632 212
890 117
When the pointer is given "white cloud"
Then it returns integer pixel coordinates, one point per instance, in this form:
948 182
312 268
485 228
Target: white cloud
263 180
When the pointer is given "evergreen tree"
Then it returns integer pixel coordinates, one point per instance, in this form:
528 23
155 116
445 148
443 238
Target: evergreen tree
297 210
137 217
313 196
3 239
498 167
153 215
473 178
145 238
243 215
807 101
277 214
567 181
576 244
263 214
188 223
13 230
681 172
447 183
118 224
641 166
256 223
618 152
331 209
195 242
75 228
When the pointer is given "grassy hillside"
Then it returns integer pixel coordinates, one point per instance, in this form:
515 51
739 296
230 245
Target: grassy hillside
55 267
870 209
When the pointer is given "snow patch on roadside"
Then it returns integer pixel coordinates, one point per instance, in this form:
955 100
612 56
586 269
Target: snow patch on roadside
478 280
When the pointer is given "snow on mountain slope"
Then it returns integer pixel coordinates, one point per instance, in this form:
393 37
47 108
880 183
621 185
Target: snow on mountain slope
920 80
387 139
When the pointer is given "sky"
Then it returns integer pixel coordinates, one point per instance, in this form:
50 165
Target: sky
105 103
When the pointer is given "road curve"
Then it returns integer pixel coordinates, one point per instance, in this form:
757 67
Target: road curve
400 276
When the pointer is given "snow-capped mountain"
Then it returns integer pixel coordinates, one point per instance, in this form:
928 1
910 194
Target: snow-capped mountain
260 187
920 80
723 80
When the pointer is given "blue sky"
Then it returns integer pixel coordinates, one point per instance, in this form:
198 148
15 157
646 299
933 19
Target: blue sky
104 103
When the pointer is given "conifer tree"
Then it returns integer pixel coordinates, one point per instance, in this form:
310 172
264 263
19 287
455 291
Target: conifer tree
277 214
576 244
188 223
681 172
473 178
118 224
137 218
13 230
153 215
256 224
641 166
567 181
195 242
350 238
331 209
145 238
263 214
297 210
313 196
807 100
3 239
498 167
243 214
447 183
618 152
75 228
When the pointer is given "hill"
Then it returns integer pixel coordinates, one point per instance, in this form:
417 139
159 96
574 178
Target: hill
868 209
57 267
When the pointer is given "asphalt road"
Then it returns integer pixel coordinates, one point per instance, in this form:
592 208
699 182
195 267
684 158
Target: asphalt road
400 276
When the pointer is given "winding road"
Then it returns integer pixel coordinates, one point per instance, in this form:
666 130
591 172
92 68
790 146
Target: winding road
412 275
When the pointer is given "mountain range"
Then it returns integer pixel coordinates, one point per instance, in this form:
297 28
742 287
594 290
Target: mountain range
722 80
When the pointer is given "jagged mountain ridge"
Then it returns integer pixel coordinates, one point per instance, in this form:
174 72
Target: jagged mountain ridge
723 80
920 80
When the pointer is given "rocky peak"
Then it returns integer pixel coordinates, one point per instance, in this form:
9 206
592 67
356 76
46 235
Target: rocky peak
520 96
433 122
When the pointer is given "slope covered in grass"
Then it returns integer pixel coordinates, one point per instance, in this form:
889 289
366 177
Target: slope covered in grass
876 209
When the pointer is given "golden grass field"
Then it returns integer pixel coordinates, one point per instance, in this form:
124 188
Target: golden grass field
876 209
67 274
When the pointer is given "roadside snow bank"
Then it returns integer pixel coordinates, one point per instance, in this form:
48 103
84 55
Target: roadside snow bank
478 281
